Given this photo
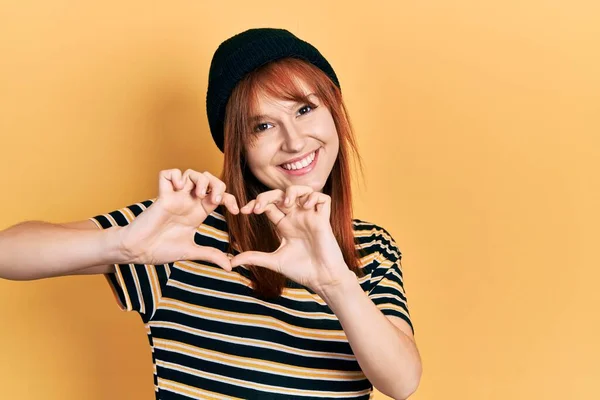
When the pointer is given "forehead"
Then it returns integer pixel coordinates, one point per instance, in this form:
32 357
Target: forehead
275 96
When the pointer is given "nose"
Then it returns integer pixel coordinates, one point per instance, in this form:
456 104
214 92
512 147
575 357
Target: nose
293 139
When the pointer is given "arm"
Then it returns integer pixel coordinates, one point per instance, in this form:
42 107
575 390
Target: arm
310 255
35 250
384 346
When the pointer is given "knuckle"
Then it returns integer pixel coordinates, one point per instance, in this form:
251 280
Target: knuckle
201 179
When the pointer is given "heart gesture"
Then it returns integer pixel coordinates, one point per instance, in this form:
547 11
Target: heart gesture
309 253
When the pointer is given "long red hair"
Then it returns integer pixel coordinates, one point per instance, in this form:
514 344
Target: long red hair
280 79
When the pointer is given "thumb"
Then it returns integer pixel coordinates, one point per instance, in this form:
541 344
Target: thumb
212 255
260 259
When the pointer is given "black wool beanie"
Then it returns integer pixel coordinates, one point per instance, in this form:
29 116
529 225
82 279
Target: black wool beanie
243 53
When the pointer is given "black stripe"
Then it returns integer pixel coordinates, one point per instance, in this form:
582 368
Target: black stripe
262 353
146 286
115 283
254 332
130 286
252 307
247 375
103 221
119 218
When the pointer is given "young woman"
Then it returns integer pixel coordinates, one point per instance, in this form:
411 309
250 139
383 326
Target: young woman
259 284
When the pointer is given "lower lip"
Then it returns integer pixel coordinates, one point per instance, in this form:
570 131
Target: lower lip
304 170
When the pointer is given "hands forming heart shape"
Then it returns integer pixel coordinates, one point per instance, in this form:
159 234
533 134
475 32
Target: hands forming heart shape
309 253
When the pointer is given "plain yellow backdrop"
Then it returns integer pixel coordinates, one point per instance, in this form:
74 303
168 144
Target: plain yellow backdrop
479 127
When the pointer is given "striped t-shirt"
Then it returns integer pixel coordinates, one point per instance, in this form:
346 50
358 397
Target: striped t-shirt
212 338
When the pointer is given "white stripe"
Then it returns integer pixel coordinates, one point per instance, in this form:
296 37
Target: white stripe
291 330
252 342
252 300
259 386
256 364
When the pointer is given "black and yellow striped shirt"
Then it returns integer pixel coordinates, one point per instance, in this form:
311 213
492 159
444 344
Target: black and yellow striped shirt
211 338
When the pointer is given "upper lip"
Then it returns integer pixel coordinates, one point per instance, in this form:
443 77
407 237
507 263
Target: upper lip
293 160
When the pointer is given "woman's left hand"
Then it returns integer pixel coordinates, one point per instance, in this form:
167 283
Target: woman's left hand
309 253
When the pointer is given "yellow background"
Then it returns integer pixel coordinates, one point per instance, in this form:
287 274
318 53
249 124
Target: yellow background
479 127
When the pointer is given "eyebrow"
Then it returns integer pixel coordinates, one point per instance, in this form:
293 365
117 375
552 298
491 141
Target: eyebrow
264 116
257 118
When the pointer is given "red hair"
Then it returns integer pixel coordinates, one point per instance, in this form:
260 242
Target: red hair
281 79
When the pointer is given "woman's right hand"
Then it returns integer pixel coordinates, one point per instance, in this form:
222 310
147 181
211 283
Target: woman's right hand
165 232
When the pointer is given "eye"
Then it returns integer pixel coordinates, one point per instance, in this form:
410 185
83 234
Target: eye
262 127
305 109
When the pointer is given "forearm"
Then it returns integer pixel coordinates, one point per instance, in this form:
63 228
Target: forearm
34 250
388 357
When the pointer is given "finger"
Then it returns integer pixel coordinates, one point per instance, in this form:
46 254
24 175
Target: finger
260 259
212 255
200 182
311 200
248 208
230 203
169 181
293 192
188 185
216 187
324 204
273 212
274 196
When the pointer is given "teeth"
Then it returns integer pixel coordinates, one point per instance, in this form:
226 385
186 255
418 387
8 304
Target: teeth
300 164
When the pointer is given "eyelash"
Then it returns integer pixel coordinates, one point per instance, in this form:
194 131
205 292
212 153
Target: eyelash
306 106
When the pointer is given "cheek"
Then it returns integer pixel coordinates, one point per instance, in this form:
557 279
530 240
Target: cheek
257 158
328 129
332 136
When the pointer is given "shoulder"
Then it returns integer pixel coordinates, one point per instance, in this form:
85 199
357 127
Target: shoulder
375 244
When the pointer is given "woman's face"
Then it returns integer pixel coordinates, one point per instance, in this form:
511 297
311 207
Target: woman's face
294 143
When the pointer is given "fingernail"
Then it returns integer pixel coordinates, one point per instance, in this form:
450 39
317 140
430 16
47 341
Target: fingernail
218 199
257 207
287 200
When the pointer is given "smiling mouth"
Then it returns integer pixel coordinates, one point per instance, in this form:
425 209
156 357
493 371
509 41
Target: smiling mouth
302 166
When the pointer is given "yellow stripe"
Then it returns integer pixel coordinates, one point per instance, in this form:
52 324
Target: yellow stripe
252 320
373 232
218 216
252 300
366 260
128 214
111 220
234 277
190 391
216 273
258 364
392 285
212 232
154 285
378 244
259 386
252 342
124 289
138 288
388 306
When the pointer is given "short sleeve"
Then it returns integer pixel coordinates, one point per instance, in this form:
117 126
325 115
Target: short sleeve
136 287
387 280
